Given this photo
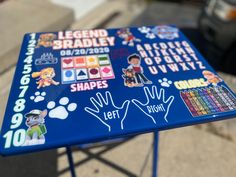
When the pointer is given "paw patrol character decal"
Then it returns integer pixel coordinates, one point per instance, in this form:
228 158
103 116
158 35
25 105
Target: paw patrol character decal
211 77
127 36
45 77
166 32
36 128
46 40
129 77
135 66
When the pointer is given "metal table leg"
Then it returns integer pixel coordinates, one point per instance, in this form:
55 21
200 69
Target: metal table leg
155 157
155 154
70 160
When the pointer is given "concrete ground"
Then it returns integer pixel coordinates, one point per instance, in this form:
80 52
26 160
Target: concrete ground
80 7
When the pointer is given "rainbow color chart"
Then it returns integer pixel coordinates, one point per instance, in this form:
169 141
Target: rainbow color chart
84 68
207 101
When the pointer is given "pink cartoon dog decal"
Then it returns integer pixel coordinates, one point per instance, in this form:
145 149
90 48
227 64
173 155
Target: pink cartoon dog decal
45 77
127 36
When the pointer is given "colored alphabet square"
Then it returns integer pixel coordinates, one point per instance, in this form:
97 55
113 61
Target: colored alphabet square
94 73
107 72
68 75
103 60
81 74
67 62
92 61
80 62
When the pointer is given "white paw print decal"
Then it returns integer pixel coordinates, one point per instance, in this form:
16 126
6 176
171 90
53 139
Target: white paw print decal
61 111
147 31
144 29
150 35
37 97
165 82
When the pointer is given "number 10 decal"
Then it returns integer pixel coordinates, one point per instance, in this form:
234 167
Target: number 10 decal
16 138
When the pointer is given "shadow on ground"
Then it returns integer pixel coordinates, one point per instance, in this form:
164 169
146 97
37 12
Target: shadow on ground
34 164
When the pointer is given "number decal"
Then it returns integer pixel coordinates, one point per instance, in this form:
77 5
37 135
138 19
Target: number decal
28 59
19 105
16 120
27 69
8 137
24 89
17 137
25 79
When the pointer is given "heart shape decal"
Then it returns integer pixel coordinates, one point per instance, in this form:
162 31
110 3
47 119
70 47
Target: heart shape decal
67 61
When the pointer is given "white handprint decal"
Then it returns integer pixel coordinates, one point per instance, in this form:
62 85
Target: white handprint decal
156 103
107 112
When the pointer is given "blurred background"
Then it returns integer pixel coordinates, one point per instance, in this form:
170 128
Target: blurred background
203 150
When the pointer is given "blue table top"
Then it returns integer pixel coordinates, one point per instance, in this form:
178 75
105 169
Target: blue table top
73 87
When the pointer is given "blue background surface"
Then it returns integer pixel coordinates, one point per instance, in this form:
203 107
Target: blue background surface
82 127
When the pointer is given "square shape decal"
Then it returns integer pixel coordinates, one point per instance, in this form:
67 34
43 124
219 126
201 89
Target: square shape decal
92 61
68 75
103 60
67 62
94 73
81 74
80 62
107 72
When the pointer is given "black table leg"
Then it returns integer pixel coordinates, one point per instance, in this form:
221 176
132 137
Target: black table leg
70 160
155 154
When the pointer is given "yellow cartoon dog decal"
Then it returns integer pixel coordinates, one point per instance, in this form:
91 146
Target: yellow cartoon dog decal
45 77
46 40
